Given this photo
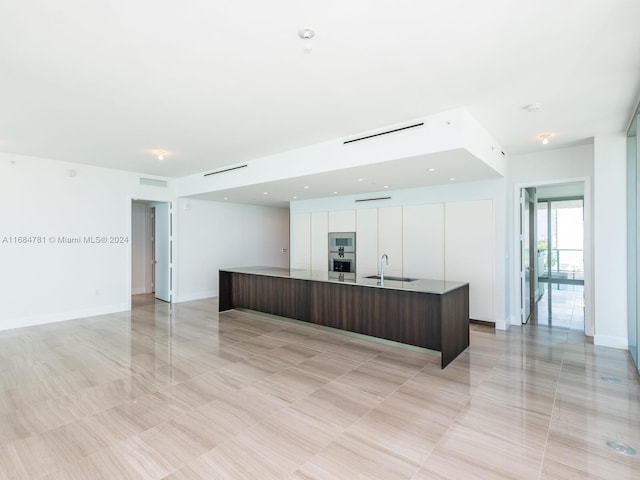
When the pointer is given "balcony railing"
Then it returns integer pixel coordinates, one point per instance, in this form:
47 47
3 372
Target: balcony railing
567 265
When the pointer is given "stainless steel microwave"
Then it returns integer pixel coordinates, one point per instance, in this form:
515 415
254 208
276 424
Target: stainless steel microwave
342 241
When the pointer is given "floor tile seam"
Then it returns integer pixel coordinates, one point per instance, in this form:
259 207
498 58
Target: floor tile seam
76 418
380 403
444 434
523 445
345 434
255 425
546 443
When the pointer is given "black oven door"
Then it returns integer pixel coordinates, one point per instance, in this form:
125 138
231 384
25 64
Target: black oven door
343 265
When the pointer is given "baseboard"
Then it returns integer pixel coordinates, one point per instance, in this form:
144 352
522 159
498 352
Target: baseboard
609 341
12 323
139 291
188 297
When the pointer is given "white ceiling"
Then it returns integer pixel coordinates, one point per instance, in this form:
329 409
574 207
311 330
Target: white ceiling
219 82
381 177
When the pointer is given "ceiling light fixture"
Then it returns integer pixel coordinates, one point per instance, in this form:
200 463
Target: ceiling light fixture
226 198
335 193
431 170
545 138
306 186
265 193
534 107
451 179
386 186
306 34
361 179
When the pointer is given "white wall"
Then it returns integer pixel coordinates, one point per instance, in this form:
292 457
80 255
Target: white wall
141 248
52 281
214 235
47 199
610 240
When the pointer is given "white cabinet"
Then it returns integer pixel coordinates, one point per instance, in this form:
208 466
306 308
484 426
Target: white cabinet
423 241
301 241
367 242
342 221
319 241
390 239
469 253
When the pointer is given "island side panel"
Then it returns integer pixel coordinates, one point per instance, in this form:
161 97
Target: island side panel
284 297
321 308
413 318
224 291
455 324
348 307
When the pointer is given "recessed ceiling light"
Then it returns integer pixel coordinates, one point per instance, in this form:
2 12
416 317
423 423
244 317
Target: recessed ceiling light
294 197
265 193
545 138
431 170
306 186
534 107
161 154
335 193
386 186
306 33
361 179
226 198
451 179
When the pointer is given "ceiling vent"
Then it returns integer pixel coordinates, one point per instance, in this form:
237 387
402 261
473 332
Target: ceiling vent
372 199
225 170
153 182
384 133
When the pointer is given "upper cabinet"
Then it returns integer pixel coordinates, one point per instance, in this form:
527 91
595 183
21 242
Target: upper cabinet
423 240
342 221
367 242
469 252
301 241
390 239
319 241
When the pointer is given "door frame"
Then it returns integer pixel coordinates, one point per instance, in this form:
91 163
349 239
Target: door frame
527 204
172 247
589 323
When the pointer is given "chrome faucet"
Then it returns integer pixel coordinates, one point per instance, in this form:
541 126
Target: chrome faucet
382 259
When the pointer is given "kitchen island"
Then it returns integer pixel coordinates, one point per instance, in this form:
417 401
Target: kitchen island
432 314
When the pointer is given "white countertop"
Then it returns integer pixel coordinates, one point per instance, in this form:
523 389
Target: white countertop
417 285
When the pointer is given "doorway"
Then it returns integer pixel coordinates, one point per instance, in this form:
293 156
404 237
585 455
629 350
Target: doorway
555 245
151 252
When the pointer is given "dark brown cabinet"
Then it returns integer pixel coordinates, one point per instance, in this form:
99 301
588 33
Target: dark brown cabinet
437 321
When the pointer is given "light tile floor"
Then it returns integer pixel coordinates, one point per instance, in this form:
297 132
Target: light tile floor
180 393
566 309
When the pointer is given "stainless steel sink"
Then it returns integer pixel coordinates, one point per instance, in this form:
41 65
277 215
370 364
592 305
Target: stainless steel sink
397 279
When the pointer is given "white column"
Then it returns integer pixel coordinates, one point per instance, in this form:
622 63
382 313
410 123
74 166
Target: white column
610 237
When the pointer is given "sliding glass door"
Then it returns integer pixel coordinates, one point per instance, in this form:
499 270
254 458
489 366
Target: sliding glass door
560 261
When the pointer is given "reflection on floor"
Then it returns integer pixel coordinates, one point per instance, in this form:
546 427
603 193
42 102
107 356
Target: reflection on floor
180 392
566 309
144 299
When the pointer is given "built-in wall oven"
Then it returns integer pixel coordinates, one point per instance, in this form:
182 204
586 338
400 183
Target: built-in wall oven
342 255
